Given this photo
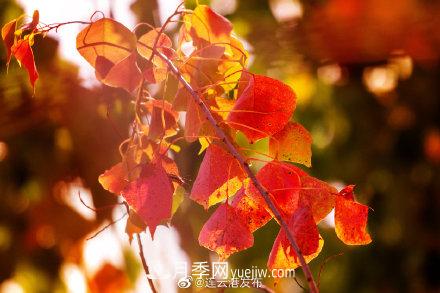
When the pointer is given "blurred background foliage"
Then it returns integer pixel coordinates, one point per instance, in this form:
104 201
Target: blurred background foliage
367 78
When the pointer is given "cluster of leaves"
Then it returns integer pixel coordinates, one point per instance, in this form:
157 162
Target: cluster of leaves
18 37
212 61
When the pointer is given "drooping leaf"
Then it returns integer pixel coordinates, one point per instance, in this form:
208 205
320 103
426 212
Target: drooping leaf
283 185
202 67
293 143
151 195
147 41
304 230
225 233
22 51
263 107
33 24
194 121
154 74
163 122
318 195
105 38
207 25
220 176
107 44
253 213
125 74
115 179
8 36
134 225
155 69
351 219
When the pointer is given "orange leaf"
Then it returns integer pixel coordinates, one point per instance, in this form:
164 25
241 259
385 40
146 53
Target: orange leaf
23 52
181 99
115 179
109 279
202 67
304 230
225 233
135 225
110 48
194 120
263 107
154 74
125 74
253 213
155 69
207 25
33 24
8 37
146 42
220 176
293 143
351 219
163 122
151 195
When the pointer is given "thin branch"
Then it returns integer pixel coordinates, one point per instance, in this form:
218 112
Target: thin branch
144 263
242 161
324 263
106 227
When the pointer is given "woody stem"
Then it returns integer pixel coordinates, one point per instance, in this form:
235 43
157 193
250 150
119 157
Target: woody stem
144 263
241 160
142 255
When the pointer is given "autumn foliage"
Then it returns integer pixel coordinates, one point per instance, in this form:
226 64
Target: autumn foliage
212 61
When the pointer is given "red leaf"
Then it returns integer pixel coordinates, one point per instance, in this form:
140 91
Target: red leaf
8 37
220 176
283 185
304 230
115 179
318 195
225 233
293 143
351 219
33 24
23 52
253 213
263 107
151 195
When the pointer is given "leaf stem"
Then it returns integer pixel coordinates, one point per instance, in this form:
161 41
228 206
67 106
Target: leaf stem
234 152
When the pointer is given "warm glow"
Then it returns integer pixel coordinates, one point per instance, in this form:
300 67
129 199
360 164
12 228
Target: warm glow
224 7
3 151
330 74
380 79
11 286
286 10
73 278
71 194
